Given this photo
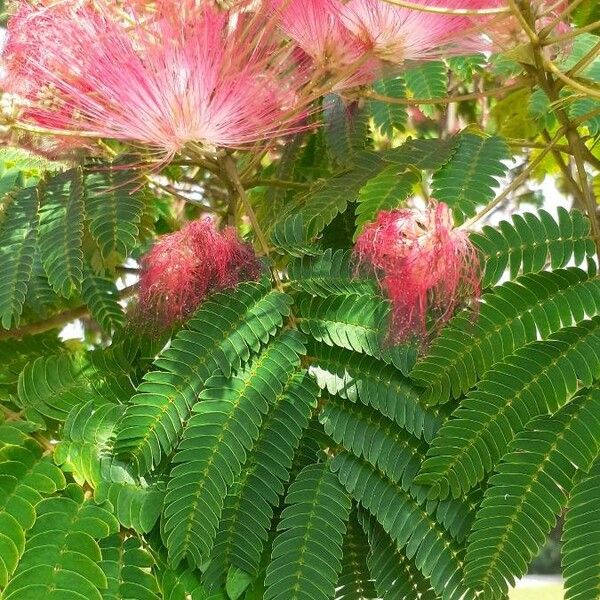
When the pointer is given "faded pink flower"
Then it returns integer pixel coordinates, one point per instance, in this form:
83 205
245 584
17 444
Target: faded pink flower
396 34
165 80
423 264
184 267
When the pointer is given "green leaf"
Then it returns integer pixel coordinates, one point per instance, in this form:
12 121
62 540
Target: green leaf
346 128
512 315
360 378
395 576
125 564
355 582
412 526
100 294
470 177
62 551
388 117
429 80
357 322
386 191
224 333
536 380
528 491
222 430
531 242
19 230
52 385
114 206
249 507
581 532
307 552
329 273
61 231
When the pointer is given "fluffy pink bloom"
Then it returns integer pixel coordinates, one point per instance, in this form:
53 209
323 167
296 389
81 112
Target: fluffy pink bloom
396 34
423 264
317 28
182 268
165 80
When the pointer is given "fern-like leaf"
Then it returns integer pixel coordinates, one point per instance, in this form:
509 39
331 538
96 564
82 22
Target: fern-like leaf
101 297
414 530
357 377
536 380
61 231
389 117
62 552
581 532
355 582
224 426
330 273
471 176
307 552
528 490
357 322
26 477
395 576
52 385
222 335
248 511
531 241
114 206
514 314
19 231
429 80
126 567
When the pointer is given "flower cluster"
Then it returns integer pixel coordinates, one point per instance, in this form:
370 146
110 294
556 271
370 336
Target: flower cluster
184 267
425 266
146 74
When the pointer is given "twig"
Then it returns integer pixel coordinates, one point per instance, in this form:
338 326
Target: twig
449 11
448 100
60 319
279 183
232 174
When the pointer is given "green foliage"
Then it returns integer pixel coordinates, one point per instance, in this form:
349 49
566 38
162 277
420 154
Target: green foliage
387 117
537 379
531 242
218 339
510 316
581 553
429 80
18 239
470 177
307 551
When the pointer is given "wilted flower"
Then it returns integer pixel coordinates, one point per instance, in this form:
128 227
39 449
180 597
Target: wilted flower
201 75
182 268
423 264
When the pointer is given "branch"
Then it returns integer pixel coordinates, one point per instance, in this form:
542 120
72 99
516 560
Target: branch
448 100
60 319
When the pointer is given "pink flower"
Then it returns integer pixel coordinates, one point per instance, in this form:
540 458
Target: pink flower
184 267
396 34
317 28
424 266
165 80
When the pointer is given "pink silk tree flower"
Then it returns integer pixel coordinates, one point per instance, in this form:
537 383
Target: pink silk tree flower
184 267
396 34
424 265
163 81
317 28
